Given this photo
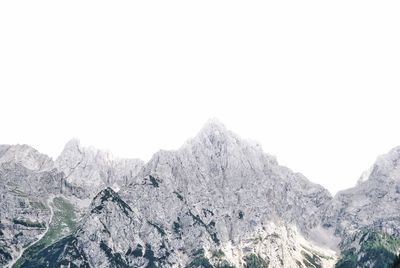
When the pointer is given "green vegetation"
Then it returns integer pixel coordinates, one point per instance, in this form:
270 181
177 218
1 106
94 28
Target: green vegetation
210 228
241 215
158 228
311 261
218 254
176 226
149 255
374 240
219 261
348 259
28 223
376 247
207 212
64 222
255 261
316 254
199 260
396 263
138 252
154 181
154 261
180 197
108 194
5 255
223 264
63 253
115 259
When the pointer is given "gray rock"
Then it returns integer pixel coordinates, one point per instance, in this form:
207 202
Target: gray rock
218 201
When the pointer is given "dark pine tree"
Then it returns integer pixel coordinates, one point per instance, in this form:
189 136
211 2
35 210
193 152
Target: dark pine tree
396 263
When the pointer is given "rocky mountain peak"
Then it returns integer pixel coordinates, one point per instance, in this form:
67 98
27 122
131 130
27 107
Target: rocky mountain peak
71 154
26 156
213 135
107 199
73 144
74 150
218 201
215 141
387 166
87 170
385 169
213 127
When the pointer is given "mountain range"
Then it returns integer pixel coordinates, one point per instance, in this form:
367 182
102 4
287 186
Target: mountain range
218 201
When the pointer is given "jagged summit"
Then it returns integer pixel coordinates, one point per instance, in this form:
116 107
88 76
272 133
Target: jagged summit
73 143
105 193
215 137
218 201
26 156
386 167
88 170
74 149
106 197
213 133
213 125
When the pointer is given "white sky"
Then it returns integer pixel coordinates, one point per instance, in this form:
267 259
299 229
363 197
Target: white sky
315 82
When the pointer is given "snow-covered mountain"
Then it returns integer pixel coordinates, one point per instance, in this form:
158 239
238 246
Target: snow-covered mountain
218 201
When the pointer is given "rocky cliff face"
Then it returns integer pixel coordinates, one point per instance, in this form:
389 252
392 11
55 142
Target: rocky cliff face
221 191
236 176
25 181
367 216
25 156
88 170
29 181
113 234
218 201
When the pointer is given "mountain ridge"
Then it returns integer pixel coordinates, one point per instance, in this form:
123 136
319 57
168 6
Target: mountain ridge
217 201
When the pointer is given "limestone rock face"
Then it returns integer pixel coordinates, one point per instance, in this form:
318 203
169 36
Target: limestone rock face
370 210
218 201
88 170
30 180
26 156
110 226
222 190
373 203
24 213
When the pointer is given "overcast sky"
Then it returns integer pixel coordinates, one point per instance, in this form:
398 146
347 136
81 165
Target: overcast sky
315 82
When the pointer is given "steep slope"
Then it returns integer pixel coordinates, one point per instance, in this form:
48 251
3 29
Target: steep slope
217 168
219 201
110 226
218 191
24 213
367 217
114 235
26 180
25 156
31 183
88 170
